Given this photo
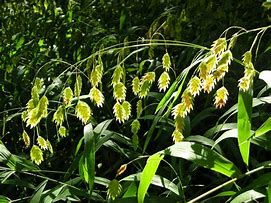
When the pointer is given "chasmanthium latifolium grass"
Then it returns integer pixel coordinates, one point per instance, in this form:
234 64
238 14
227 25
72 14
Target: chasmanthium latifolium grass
210 71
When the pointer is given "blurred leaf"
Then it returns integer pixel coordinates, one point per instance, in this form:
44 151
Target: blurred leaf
4 199
147 175
244 124
266 77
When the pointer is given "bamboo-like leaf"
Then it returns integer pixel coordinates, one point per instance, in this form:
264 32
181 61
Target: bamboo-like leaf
89 154
248 196
203 156
244 123
37 195
265 127
148 174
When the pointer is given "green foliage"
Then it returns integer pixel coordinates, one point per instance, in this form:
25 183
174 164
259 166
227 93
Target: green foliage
138 73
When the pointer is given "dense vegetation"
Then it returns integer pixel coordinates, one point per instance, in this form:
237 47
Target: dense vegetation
126 101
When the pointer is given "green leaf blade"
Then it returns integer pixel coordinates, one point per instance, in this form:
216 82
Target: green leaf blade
244 124
147 175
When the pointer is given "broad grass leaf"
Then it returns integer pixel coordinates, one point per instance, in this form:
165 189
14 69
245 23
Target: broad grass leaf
248 196
148 174
38 192
203 156
265 127
244 123
89 154
266 77
157 180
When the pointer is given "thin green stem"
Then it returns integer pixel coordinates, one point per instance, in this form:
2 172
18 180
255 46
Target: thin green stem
229 182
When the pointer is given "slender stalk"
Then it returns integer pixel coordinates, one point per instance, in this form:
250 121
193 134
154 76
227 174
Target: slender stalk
229 182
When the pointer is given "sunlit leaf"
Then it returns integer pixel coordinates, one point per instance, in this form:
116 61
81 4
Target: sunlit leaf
148 174
203 156
244 123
